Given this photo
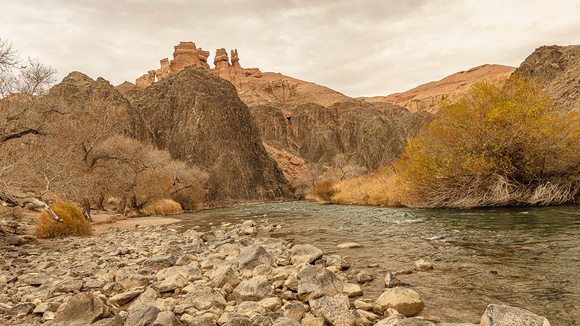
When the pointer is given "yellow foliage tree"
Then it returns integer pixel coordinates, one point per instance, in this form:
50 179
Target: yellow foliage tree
497 145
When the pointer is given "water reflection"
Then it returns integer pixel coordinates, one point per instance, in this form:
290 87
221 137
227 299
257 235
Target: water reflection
526 257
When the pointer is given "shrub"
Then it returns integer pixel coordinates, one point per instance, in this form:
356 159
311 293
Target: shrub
496 145
324 190
74 223
163 207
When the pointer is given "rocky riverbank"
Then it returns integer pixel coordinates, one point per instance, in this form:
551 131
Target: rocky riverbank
233 274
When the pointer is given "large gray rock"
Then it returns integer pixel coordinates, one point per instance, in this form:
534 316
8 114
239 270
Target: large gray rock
400 320
144 315
313 284
172 282
285 321
159 262
391 281
500 315
304 253
206 298
125 297
254 255
405 301
20 310
333 310
83 309
67 286
166 318
191 273
294 310
34 278
224 275
129 280
254 289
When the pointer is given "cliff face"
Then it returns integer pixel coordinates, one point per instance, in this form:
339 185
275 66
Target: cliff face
199 118
557 70
427 97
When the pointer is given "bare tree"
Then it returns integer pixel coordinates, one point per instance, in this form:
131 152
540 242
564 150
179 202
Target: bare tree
35 78
8 56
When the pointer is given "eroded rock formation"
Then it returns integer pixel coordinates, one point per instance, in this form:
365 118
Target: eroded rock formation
557 69
187 54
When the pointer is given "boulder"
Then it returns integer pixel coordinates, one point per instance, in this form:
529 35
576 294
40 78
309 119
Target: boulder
294 310
313 284
20 310
286 321
364 277
405 301
191 273
254 255
125 297
337 261
422 265
304 253
159 262
348 245
83 309
166 318
254 289
391 281
143 315
171 283
224 275
205 298
333 310
352 290
500 315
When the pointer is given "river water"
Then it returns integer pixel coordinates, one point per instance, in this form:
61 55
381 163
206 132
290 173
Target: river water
524 257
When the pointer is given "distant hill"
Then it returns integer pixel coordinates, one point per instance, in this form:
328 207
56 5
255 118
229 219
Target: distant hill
427 97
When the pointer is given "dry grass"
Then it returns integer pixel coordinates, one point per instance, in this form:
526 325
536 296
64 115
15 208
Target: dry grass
163 207
379 189
74 223
324 190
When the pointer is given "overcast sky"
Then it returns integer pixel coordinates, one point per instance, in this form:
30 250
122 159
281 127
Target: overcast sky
359 48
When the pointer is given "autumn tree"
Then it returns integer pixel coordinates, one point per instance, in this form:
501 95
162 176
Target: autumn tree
496 145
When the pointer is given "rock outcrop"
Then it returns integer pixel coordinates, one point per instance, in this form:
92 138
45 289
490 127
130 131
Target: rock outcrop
557 70
199 118
427 97
187 54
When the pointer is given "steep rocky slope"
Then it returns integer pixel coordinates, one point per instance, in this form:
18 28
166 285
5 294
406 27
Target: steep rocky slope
199 118
427 97
557 69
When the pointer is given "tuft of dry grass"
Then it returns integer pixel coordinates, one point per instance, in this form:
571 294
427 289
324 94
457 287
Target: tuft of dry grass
163 207
378 189
74 222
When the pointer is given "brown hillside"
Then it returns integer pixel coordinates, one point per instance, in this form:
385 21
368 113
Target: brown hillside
427 97
557 69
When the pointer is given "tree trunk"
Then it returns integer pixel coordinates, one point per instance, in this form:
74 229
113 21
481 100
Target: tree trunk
86 209
100 202
122 205
22 201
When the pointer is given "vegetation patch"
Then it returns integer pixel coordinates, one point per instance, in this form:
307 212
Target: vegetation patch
163 207
74 223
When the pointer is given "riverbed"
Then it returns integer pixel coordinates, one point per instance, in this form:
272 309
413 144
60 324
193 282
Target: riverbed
524 257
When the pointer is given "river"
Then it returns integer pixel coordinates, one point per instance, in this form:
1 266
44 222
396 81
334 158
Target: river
524 257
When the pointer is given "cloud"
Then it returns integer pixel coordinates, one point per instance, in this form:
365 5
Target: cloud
360 48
